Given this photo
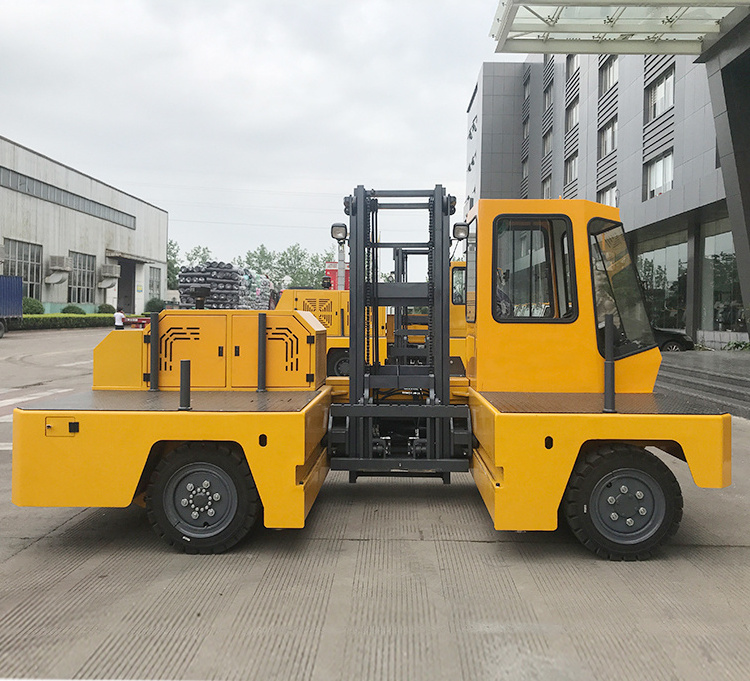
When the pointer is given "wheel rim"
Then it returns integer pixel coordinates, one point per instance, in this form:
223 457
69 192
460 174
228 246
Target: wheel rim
672 347
627 506
200 500
341 368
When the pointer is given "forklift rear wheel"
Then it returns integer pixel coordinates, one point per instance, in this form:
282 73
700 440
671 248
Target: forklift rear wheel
202 498
622 502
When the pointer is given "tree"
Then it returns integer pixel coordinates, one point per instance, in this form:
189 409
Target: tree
198 255
293 267
173 263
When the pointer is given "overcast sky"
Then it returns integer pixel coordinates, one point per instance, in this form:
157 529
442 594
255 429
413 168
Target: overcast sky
247 120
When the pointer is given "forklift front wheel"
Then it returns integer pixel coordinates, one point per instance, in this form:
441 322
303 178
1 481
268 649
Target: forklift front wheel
202 498
622 502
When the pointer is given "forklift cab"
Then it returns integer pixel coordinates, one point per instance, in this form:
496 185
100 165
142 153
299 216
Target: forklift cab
541 276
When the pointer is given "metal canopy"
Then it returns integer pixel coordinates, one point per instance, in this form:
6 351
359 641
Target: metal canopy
629 27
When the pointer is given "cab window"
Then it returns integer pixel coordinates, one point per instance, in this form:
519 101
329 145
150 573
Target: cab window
458 286
471 273
533 270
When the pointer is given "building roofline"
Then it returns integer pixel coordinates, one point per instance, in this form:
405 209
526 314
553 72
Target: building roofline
90 177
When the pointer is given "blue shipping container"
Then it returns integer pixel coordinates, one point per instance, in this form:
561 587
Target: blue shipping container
11 293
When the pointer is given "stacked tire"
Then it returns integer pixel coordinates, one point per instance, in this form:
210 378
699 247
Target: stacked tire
230 287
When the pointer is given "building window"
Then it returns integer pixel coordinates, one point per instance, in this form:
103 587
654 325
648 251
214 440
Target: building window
571 168
662 266
660 95
607 138
548 97
608 75
154 282
526 129
10 179
571 115
525 168
721 300
547 187
659 175
547 142
527 88
572 62
82 279
24 260
608 195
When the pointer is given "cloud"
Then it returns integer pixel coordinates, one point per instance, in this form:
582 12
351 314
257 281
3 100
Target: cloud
231 113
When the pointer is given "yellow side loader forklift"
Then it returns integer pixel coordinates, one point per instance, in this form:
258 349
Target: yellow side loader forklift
231 417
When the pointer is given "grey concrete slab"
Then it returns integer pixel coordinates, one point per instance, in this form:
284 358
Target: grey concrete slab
391 579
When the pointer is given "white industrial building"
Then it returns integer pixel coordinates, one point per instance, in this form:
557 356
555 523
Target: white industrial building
74 239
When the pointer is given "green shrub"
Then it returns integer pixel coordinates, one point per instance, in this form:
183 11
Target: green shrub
155 305
61 321
73 309
32 306
106 308
738 345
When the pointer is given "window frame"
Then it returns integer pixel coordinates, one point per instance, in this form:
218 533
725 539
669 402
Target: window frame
608 131
547 97
570 162
570 286
652 164
82 279
547 143
608 71
663 104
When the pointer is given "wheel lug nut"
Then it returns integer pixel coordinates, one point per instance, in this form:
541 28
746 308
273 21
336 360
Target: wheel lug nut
190 487
639 494
217 496
611 500
184 502
642 511
624 489
630 522
194 515
206 484
614 516
211 512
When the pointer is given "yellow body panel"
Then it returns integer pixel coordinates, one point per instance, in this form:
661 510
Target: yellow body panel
120 360
222 346
98 466
527 480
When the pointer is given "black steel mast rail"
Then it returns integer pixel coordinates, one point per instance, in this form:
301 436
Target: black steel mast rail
401 193
402 206
399 416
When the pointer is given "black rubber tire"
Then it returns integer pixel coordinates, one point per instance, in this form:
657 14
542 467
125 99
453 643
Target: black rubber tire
598 478
672 346
338 362
176 490
2 328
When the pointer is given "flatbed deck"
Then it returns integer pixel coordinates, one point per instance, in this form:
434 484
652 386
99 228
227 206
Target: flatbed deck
593 403
201 401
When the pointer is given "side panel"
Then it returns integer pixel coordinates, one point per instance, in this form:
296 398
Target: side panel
290 358
51 467
120 361
533 454
199 338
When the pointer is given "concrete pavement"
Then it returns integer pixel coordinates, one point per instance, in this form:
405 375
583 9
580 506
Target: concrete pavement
391 579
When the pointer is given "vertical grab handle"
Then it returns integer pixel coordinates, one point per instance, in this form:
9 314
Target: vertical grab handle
262 352
154 374
609 364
